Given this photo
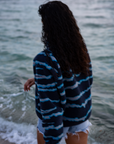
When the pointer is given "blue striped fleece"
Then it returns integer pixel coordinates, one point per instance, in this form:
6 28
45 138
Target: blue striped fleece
60 101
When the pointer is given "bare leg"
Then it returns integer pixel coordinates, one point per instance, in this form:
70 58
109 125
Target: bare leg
40 139
78 138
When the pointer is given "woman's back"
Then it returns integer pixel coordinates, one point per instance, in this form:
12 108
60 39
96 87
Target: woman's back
78 97
74 91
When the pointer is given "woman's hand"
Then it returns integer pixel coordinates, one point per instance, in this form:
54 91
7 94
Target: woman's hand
28 84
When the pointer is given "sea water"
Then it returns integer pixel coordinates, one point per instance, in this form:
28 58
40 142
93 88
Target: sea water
20 41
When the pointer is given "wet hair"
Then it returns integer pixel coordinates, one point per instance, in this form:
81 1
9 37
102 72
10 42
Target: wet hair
62 36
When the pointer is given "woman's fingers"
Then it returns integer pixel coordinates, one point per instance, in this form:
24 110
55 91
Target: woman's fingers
28 84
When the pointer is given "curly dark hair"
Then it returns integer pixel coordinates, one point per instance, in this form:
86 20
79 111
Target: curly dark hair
61 33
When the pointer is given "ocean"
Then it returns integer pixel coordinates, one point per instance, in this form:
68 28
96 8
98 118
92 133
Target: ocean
20 41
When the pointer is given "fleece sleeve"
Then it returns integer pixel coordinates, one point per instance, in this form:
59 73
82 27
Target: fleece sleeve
50 105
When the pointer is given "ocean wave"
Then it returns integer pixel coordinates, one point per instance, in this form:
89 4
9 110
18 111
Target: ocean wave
18 133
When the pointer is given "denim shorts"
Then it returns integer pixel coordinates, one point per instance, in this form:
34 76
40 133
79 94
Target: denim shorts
83 127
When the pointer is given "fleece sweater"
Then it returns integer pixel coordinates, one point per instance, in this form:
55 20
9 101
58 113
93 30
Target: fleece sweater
60 101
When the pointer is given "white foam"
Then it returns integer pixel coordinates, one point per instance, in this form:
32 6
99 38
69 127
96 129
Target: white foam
24 108
2 99
13 95
18 133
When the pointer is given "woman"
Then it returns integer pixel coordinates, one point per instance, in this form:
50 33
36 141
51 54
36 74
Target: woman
63 78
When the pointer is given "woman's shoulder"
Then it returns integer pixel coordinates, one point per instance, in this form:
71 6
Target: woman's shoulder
40 56
46 56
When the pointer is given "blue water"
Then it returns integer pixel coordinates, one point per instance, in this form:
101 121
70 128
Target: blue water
20 32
